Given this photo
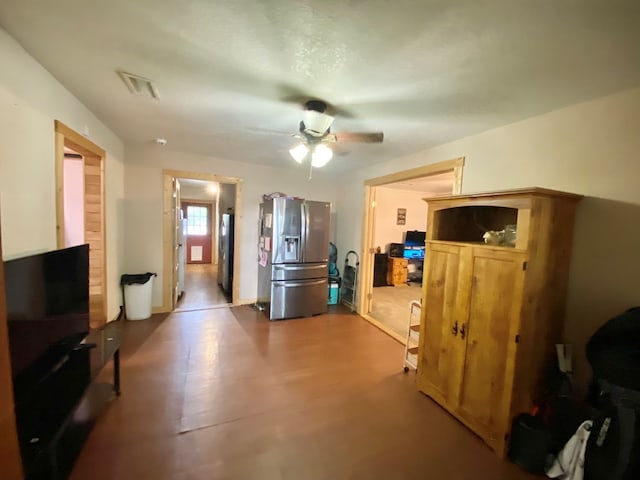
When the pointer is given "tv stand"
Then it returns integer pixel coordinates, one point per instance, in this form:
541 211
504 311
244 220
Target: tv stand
55 420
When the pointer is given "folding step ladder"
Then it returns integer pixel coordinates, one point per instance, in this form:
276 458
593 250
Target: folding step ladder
349 288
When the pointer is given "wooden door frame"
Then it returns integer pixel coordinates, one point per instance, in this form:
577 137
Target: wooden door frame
365 286
95 234
168 279
214 215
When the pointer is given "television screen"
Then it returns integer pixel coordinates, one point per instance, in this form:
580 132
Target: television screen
47 305
414 253
415 238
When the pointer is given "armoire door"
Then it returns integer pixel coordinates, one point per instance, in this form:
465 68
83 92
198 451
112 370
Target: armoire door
440 362
489 336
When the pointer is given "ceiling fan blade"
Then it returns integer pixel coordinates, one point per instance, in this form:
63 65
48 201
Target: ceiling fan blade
269 131
362 137
292 94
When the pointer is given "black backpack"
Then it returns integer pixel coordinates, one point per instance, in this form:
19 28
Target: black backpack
613 350
613 448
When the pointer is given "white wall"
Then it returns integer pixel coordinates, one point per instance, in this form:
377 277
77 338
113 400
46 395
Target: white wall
144 193
388 200
192 192
227 197
30 100
73 202
591 148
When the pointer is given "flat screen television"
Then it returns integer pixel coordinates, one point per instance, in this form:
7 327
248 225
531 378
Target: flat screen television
47 311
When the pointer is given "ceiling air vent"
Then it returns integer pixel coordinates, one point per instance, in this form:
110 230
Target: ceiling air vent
140 85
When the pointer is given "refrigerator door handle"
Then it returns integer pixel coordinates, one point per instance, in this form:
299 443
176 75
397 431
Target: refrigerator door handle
293 266
305 283
304 227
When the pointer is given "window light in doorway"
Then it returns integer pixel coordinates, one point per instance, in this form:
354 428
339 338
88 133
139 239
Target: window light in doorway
197 220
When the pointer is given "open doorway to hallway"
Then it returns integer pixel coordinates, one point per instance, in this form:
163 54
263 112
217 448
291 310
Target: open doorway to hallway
395 221
200 232
203 279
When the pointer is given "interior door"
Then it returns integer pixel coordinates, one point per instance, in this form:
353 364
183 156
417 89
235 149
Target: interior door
440 359
198 217
489 335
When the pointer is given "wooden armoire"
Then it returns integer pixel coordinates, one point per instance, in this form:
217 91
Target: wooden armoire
491 314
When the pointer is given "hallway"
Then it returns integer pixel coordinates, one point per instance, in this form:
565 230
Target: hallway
201 289
226 394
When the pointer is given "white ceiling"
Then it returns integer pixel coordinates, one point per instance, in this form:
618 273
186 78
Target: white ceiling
425 72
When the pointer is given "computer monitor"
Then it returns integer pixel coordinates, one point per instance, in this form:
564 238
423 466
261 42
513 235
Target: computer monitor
414 238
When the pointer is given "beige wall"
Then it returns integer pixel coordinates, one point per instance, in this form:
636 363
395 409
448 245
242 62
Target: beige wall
388 200
591 148
143 212
30 100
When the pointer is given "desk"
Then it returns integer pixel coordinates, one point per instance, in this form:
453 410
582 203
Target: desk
54 424
415 269
397 271
107 341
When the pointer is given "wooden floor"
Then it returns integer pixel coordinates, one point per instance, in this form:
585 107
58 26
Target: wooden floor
390 306
225 394
201 289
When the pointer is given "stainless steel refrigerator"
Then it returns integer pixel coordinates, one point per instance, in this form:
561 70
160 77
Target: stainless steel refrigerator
293 254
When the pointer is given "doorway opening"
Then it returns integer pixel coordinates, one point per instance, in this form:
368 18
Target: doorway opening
80 209
200 238
395 221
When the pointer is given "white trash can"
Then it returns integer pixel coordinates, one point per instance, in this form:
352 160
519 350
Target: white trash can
138 290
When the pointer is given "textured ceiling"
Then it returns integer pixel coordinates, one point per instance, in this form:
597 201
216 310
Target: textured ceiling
425 72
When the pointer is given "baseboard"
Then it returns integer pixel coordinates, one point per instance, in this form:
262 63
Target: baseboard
119 316
244 301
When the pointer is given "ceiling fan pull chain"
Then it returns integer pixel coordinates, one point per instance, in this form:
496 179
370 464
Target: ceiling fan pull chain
310 170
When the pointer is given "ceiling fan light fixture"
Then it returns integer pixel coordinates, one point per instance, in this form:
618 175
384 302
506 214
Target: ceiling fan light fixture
299 152
321 156
316 123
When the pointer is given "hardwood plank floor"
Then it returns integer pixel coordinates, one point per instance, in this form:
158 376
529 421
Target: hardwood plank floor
201 289
226 394
390 306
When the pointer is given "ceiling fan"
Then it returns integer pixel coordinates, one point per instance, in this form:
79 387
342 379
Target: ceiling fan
315 135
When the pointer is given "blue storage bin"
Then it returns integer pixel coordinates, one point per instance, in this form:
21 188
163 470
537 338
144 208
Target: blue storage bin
333 293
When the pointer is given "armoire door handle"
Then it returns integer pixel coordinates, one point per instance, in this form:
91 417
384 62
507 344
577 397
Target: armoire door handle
463 331
454 329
